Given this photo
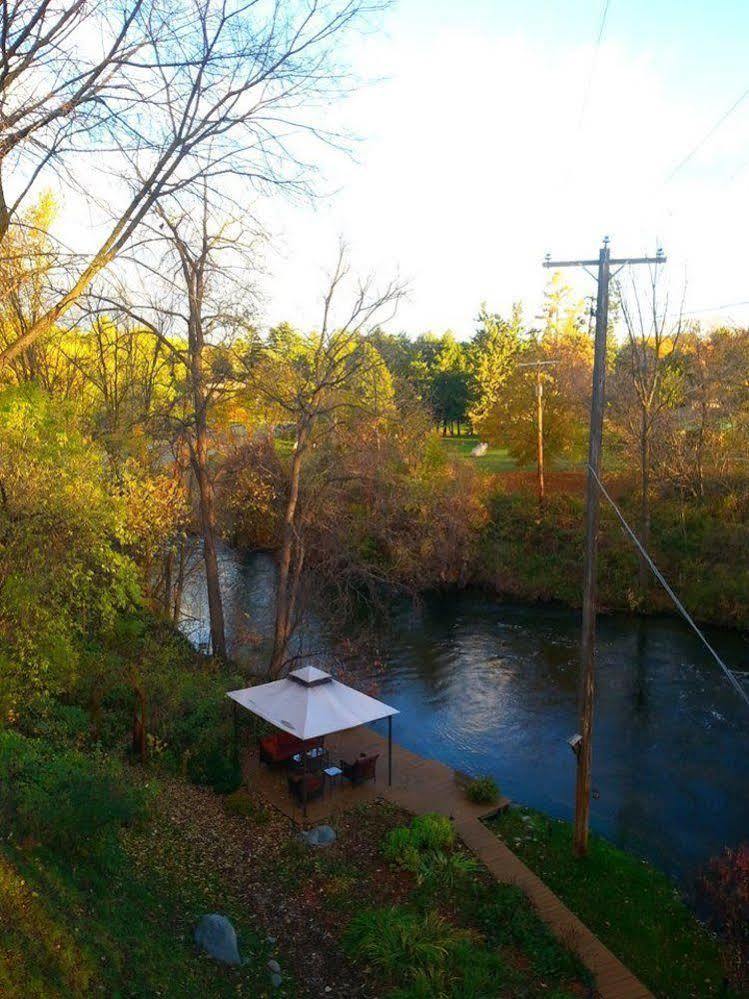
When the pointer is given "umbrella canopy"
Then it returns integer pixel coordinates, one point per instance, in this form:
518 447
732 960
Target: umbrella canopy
310 703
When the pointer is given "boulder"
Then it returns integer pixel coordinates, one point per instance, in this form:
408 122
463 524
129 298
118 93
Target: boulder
319 836
215 935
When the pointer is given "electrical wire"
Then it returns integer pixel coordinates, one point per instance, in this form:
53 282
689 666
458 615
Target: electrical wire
706 137
593 62
715 308
740 690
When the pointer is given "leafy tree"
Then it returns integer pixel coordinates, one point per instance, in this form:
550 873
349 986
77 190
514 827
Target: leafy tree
451 383
494 351
64 578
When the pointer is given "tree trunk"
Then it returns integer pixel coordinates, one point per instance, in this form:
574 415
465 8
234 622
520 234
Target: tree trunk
205 492
180 583
284 605
139 722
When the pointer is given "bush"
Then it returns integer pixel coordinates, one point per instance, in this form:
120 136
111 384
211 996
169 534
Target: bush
214 766
724 891
433 832
447 871
426 848
408 846
67 802
242 803
426 955
397 939
483 791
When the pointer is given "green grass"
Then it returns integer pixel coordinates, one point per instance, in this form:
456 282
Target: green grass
496 459
75 929
455 933
632 908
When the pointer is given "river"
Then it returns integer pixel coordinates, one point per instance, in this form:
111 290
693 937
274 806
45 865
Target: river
489 687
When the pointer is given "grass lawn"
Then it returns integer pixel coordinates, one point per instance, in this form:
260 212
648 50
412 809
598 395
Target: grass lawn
496 459
345 922
631 907
75 929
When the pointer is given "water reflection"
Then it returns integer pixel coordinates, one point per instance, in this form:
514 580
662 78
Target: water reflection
491 688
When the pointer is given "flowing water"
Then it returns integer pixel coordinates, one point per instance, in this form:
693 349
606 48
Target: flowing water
489 687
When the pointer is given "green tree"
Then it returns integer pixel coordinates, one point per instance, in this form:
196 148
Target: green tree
494 351
64 578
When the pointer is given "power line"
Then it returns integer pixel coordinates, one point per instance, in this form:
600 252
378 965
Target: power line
706 137
716 308
593 62
740 690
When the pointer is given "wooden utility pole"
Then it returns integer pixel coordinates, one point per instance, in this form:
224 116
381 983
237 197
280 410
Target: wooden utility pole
540 433
584 746
539 424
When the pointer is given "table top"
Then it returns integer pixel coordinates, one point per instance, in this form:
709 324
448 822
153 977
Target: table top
311 753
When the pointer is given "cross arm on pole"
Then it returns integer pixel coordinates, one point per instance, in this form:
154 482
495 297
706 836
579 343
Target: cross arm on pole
570 263
615 261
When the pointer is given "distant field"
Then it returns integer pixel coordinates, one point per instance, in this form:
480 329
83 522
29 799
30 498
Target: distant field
495 460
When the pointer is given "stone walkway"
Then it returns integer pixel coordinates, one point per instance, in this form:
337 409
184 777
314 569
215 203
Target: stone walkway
421 785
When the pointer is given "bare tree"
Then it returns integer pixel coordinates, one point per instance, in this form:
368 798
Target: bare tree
212 92
647 380
314 385
195 262
62 78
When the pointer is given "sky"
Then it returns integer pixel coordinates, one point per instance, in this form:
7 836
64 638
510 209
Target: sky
489 132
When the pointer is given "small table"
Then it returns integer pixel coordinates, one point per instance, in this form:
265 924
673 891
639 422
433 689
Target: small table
315 760
333 775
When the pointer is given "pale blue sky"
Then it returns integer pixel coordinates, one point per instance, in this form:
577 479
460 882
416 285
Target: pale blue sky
476 156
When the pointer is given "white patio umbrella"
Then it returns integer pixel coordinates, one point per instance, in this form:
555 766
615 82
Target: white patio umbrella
310 703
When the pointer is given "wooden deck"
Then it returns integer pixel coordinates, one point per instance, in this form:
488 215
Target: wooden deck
422 785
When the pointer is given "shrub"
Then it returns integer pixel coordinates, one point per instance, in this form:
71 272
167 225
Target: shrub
483 791
215 767
724 891
447 870
433 832
68 802
399 848
426 955
60 724
426 849
398 940
242 803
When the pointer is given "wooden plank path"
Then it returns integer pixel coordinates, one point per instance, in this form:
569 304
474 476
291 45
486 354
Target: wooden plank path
422 785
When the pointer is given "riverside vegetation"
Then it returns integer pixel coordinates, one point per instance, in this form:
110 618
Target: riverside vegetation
142 407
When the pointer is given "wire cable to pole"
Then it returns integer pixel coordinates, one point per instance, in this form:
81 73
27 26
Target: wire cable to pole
740 690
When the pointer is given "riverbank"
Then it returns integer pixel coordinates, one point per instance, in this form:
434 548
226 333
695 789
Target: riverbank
353 920
634 909
702 550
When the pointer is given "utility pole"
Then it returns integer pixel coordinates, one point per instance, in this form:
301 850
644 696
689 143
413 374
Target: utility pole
584 745
540 435
539 425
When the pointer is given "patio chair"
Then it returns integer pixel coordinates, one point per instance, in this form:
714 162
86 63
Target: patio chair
361 770
281 746
314 784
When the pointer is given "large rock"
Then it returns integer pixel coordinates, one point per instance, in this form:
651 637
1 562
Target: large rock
215 935
319 836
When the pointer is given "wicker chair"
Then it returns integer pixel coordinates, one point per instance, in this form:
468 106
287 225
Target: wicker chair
313 784
361 770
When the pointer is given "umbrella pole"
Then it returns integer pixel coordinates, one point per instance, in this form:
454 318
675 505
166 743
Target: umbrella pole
390 750
304 782
236 735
